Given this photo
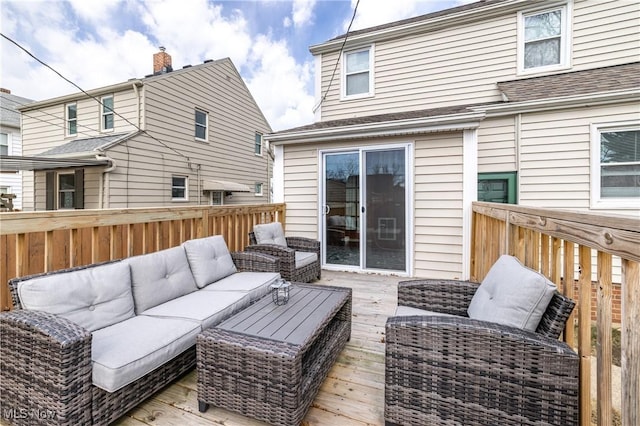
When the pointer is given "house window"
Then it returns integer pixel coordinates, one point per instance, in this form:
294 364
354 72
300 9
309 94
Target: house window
357 79
72 119
497 187
107 112
4 144
258 189
178 188
202 122
258 144
616 166
543 39
217 198
66 191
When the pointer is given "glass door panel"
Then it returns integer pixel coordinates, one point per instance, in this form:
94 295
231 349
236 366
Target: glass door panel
342 208
385 212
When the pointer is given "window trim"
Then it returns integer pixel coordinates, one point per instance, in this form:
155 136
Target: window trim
59 191
67 120
9 143
256 145
104 114
597 202
343 72
566 9
512 183
211 198
261 193
186 188
206 124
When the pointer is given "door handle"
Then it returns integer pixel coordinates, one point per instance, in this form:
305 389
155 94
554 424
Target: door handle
327 209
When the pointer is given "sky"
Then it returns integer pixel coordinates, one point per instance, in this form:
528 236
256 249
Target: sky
95 43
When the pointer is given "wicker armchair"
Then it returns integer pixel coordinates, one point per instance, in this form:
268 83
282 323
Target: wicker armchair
457 371
289 268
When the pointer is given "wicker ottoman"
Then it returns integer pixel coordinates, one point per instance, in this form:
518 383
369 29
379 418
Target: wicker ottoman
268 362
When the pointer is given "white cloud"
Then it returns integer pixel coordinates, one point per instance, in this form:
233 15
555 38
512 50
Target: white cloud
302 12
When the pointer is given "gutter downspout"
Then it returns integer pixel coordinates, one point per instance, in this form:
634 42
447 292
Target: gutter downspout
104 179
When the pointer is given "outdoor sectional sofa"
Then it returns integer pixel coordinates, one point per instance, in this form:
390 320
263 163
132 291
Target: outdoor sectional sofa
85 345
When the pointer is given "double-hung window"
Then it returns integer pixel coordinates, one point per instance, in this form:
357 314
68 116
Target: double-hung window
202 124
179 188
258 144
66 191
258 189
615 171
72 119
107 112
544 39
357 76
4 144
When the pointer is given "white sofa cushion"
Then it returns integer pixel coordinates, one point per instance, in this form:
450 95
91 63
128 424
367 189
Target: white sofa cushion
270 233
512 294
304 258
94 297
160 276
126 351
256 284
407 311
205 308
209 259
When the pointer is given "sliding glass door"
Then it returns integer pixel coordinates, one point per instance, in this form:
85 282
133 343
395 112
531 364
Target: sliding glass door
365 209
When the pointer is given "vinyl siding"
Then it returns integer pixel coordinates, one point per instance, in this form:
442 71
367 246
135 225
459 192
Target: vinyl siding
462 64
555 155
91 187
438 206
496 145
13 180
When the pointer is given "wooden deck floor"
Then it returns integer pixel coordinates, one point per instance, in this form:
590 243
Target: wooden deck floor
352 394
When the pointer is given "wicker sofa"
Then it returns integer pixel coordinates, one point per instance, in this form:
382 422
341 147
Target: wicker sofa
444 368
85 345
299 256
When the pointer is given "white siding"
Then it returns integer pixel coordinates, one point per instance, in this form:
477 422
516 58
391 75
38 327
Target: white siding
496 145
438 206
555 155
13 180
462 64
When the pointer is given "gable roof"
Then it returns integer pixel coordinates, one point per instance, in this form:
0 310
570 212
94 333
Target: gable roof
597 80
9 115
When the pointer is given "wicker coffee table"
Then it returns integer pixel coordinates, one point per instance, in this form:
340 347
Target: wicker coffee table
268 361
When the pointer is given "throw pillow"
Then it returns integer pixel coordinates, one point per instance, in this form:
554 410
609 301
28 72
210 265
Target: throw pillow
209 259
270 233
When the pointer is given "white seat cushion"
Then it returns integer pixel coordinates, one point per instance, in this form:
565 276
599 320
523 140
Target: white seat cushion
512 294
206 308
270 233
407 311
93 298
160 276
304 258
126 351
256 284
209 259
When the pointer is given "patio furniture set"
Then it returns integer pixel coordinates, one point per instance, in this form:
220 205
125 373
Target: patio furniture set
87 344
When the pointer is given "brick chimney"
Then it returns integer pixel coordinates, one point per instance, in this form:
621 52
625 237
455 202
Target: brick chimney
161 62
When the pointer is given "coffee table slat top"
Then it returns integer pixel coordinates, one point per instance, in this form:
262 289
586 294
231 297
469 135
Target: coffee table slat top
292 323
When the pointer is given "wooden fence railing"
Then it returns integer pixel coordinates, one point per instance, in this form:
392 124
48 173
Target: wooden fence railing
550 241
34 242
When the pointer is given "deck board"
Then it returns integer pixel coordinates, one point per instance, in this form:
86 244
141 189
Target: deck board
352 394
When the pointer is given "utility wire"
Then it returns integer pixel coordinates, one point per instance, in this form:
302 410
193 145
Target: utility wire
93 97
335 68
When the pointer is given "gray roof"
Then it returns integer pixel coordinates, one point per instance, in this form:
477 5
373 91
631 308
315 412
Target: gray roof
597 80
9 116
87 145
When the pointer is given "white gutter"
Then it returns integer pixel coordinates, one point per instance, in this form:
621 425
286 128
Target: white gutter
382 129
590 99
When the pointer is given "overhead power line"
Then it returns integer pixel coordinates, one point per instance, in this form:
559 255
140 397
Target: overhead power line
93 97
335 68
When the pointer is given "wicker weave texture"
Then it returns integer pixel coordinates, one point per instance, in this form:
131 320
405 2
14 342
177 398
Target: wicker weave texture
267 379
288 269
459 371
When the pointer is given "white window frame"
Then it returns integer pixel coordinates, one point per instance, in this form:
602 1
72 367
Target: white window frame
255 144
212 200
9 147
68 120
598 202
104 114
565 38
259 185
343 86
59 191
186 188
206 124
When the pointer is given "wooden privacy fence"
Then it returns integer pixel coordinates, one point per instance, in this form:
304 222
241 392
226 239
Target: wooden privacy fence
35 242
570 249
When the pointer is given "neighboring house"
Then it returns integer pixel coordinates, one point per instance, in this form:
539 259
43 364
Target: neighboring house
11 144
536 103
191 136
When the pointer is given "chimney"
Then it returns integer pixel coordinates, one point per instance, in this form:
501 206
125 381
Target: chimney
3 90
161 62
